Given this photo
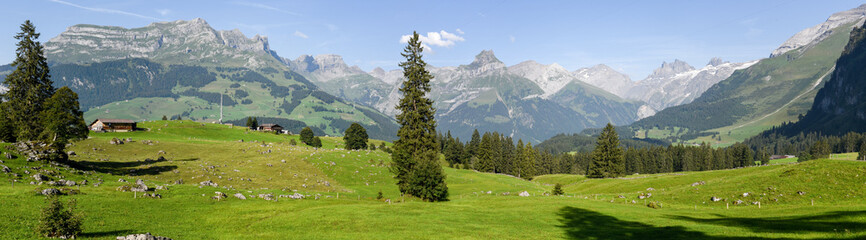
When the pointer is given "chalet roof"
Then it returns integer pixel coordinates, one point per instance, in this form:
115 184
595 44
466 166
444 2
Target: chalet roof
270 125
109 120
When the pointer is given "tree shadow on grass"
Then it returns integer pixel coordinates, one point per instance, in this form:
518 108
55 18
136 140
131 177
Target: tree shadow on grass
829 222
585 224
127 168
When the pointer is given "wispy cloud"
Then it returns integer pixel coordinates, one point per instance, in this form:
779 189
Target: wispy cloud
163 12
511 38
263 6
439 39
106 10
301 35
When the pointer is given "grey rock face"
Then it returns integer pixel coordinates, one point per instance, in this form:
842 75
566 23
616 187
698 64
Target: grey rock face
821 31
606 78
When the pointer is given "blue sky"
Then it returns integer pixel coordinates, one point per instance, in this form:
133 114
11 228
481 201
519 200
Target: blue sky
633 37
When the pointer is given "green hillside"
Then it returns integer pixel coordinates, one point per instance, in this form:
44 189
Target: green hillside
773 91
143 90
341 188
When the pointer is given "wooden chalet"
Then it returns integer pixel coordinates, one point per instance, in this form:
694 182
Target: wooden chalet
271 127
112 125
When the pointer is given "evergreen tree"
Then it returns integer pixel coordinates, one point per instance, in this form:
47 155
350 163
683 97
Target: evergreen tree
63 120
59 221
763 156
607 158
821 149
474 143
255 124
29 85
250 122
557 189
862 153
804 156
485 154
316 142
415 157
164 118
7 129
306 135
355 137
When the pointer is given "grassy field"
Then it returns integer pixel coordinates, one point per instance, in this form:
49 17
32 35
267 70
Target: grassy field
341 188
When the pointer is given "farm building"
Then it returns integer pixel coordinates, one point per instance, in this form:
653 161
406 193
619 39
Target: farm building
781 156
112 125
270 127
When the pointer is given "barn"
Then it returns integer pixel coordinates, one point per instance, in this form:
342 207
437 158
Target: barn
271 127
112 125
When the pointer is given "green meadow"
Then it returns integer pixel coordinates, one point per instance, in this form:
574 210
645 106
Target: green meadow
820 199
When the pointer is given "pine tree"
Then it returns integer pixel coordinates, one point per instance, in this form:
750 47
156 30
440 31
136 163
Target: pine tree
63 120
415 160
474 142
255 124
306 135
249 122
29 85
821 149
862 153
485 154
7 129
355 137
557 189
607 157
164 118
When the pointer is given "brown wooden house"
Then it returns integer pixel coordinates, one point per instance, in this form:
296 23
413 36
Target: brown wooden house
271 127
112 125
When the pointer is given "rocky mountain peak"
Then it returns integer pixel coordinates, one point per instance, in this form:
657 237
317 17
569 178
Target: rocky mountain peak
605 77
486 61
377 72
716 62
821 31
670 69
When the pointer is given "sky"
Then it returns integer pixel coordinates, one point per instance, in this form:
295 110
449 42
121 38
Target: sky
633 37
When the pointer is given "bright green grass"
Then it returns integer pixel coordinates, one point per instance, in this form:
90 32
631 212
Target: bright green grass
187 212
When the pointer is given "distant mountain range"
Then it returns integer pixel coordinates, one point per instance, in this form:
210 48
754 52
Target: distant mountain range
187 69
764 94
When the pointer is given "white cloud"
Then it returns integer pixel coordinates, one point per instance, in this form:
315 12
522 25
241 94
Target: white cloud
106 10
266 7
163 12
460 31
301 35
439 39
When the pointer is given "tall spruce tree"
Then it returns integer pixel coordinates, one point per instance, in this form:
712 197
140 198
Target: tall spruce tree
355 137
474 142
862 153
607 158
307 135
415 159
29 85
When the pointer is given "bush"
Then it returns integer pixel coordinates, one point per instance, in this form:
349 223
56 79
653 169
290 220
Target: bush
379 197
557 189
654 205
355 137
306 135
804 156
59 221
316 142
372 147
293 142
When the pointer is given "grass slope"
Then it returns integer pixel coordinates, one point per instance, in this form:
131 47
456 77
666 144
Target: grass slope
347 209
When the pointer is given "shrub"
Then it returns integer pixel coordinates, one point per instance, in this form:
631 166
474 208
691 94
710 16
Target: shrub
654 205
557 189
379 197
316 142
58 220
804 156
293 142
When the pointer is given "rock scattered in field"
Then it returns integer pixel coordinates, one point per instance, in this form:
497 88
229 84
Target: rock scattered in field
801 193
327 183
650 189
39 177
208 183
621 196
145 236
240 196
219 196
698 183
524 194
268 196
121 180
179 181
139 186
67 183
115 141
745 194
161 187
738 202
71 153
489 192
644 195
296 196
9 156
51 192
715 199
161 152
6 169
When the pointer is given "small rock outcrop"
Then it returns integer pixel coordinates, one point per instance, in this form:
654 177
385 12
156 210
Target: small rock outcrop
524 194
142 236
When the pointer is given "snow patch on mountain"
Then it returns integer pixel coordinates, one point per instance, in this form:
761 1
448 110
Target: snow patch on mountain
550 78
